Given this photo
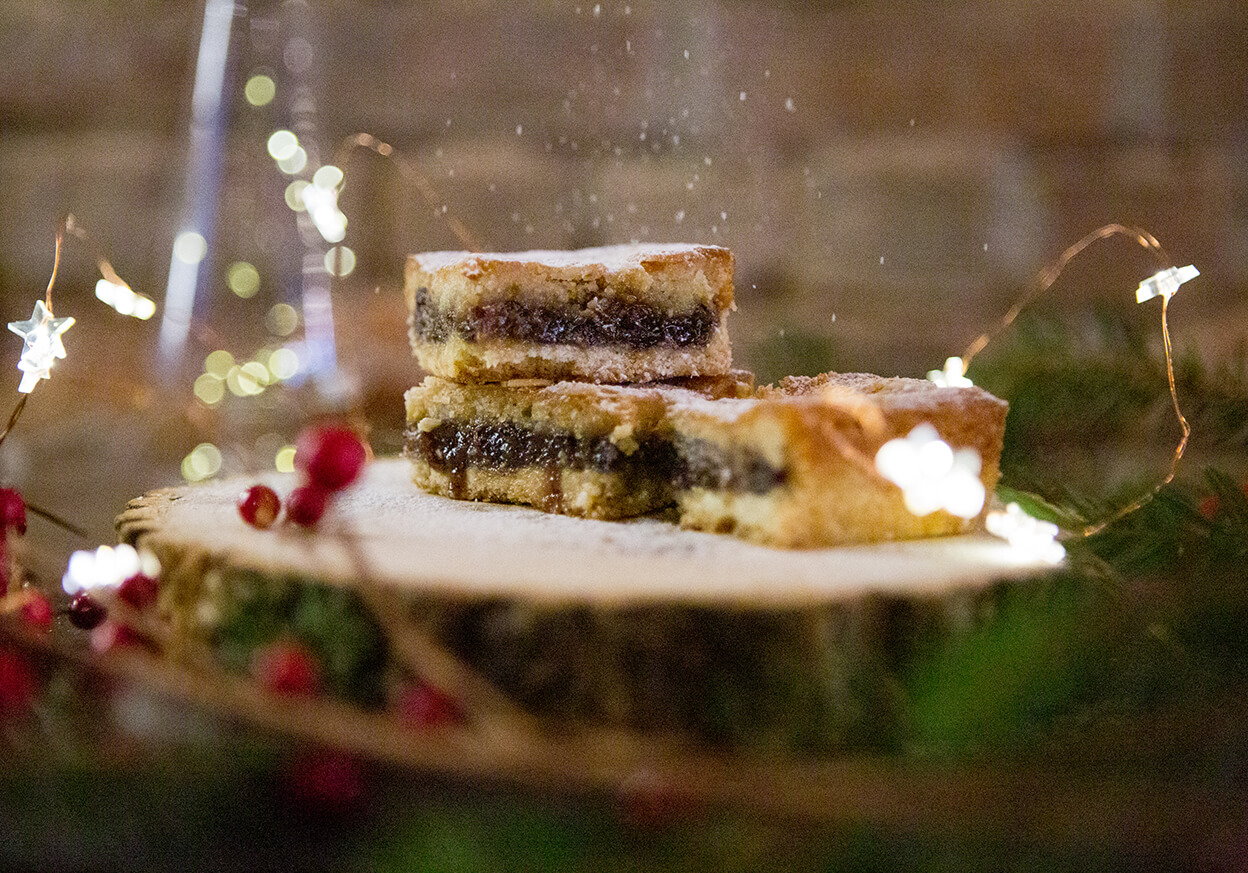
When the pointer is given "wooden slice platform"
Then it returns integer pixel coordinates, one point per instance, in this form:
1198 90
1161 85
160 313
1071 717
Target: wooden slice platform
636 625
426 544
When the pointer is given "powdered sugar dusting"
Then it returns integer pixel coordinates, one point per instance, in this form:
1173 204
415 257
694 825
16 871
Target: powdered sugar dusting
608 258
414 541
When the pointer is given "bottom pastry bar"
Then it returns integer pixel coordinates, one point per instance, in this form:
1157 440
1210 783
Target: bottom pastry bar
575 448
786 466
793 466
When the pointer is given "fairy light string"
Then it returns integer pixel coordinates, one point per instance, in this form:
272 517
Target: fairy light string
41 334
1164 284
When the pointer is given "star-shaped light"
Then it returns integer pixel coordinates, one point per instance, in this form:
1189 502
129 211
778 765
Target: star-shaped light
952 376
931 474
1032 537
1165 283
42 335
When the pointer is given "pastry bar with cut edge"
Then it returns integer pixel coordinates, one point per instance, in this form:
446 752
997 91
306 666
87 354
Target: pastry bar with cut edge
783 466
624 313
793 465
575 448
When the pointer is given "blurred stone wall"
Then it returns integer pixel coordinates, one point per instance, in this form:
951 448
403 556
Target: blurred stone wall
889 174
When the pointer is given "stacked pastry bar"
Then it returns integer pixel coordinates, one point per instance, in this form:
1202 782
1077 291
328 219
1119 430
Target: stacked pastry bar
504 418
611 314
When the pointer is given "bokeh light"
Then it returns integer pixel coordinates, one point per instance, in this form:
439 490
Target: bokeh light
284 462
218 363
340 261
209 389
282 145
283 364
282 319
243 279
190 247
203 462
294 195
260 90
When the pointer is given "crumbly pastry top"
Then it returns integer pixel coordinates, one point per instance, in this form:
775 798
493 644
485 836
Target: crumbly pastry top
888 394
609 258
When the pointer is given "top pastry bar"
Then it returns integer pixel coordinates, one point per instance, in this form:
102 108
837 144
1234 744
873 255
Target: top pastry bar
627 313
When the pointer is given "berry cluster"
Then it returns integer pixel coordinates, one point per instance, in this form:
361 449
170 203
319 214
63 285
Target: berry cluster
12 518
36 612
330 458
18 680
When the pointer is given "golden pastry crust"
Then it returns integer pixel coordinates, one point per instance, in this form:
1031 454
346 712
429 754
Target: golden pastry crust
566 447
790 465
572 315
821 434
584 409
672 276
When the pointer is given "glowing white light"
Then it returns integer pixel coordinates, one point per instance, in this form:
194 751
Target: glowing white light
1033 538
144 308
190 247
283 364
42 335
1165 283
321 202
328 177
107 567
282 144
952 376
931 474
125 300
293 163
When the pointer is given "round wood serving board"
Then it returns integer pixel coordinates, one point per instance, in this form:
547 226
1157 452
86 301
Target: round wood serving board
387 530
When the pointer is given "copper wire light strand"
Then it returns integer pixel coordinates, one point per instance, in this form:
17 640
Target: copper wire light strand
417 179
1045 279
1178 450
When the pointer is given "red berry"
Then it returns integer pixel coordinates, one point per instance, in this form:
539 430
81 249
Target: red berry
111 635
6 566
140 591
648 800
286 667
85 612
306 504
12 511
1210 505
38 611
423 706
17 683
326 781
259 506
331 457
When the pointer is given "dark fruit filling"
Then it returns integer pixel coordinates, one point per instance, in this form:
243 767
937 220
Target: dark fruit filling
704 464
601 321
453 447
